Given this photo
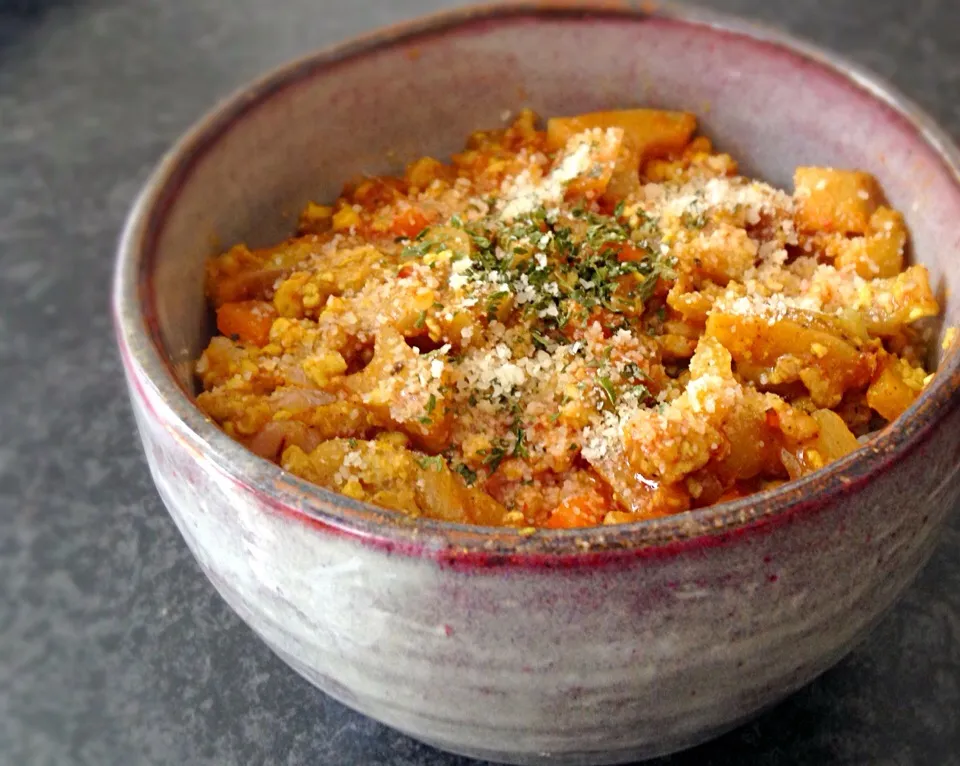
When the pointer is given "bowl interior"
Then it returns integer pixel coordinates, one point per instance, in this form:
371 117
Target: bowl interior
381 102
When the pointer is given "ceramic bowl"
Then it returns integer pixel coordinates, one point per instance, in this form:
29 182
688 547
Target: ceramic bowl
564 647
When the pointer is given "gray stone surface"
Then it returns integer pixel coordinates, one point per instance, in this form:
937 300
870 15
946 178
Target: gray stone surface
113 647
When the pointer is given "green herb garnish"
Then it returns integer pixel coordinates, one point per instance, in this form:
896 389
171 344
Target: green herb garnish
468 474
493 303
432 462
496 456
519 446
607 387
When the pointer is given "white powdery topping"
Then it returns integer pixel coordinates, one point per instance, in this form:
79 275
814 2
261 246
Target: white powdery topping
511 376
351 461
838 290
436 368
603 438
477 208
700 195
707 392
823 289
424 376
573 163
490 372
522 194
771 253
458 281
461 266
496 373
524 292
770 308
599 438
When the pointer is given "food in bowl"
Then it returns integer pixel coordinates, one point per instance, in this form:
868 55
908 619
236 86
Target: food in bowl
593 323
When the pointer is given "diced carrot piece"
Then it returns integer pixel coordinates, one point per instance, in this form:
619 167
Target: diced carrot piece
249 321
583 510
247 285
627 253
409 223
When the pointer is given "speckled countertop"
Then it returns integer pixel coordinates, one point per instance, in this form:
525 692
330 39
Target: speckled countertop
114 649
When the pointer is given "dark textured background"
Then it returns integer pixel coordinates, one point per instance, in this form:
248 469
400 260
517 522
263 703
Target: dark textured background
113 647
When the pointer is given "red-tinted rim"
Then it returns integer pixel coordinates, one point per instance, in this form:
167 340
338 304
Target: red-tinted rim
148 367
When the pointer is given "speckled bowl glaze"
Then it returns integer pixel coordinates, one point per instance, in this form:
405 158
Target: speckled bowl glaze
565 647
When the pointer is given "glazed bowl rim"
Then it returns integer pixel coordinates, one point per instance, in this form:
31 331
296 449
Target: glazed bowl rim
147 367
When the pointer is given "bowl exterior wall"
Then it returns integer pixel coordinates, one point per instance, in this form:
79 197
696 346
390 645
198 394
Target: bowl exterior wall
621 658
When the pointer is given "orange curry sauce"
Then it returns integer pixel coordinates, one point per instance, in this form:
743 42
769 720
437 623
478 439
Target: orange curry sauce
594 323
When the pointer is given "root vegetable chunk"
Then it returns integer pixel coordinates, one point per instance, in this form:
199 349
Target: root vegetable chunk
392 476
800 346
835 200
652 132
895 388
